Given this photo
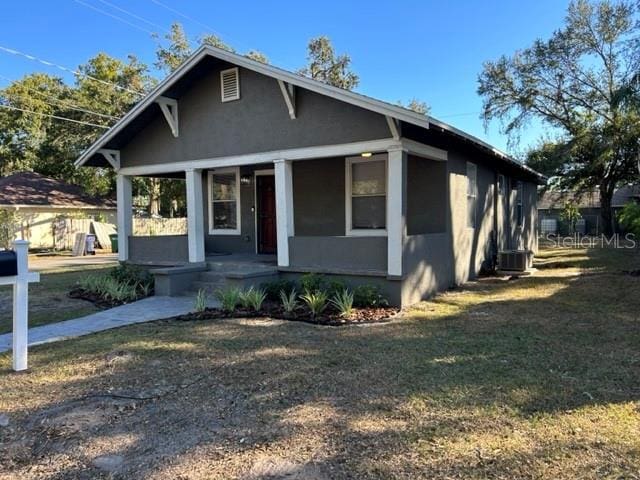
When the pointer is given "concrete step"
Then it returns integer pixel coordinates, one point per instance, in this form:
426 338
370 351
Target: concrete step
209 287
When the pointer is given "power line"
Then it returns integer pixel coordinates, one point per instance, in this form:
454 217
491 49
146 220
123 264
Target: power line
55 117
70 107
62 103
65 69
127 12
120 19
187 17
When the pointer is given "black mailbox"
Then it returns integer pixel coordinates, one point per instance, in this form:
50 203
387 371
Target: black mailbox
8 263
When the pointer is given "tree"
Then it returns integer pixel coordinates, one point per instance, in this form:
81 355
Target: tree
571 214
257 56
38 142
325 66
416 105
582 83
216 41
169 57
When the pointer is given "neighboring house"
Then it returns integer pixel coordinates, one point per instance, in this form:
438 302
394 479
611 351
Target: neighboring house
328 180
552 202
46 211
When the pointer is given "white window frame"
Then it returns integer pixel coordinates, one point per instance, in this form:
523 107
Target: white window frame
474 195
224 231
229 99
364 232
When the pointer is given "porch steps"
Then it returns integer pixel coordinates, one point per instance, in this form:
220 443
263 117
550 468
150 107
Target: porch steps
229 271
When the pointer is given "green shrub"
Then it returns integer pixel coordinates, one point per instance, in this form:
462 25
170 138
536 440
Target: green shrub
289 300
131 274
108 288
368 296
312 282
201 301
229 298
343 301
335 287
253 298
273 288
629 218
316 301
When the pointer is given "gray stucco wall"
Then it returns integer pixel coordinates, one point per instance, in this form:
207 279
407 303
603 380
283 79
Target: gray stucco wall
426 196
339 253
428 265
159 249
318 197
257 122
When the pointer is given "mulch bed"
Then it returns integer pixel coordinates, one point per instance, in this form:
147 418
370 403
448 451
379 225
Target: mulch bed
273 310
97 300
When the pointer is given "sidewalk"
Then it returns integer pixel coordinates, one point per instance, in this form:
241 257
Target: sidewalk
146 310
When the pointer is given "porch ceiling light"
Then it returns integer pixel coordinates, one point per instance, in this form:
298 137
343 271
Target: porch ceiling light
245 179
365 154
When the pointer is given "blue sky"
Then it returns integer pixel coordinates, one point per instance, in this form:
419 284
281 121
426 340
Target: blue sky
431 50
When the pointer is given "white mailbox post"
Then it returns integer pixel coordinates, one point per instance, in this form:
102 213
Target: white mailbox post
20 284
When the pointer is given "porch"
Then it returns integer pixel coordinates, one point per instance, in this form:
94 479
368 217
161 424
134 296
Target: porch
336 210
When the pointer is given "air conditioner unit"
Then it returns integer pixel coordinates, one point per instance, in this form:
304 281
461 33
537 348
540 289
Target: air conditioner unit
515 260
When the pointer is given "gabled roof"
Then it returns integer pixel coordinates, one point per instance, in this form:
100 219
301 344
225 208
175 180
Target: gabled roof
363 101
30 189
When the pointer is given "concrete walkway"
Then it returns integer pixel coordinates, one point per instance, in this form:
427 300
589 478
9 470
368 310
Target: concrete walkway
146 310
41 263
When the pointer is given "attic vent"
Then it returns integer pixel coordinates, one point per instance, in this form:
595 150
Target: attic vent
230 84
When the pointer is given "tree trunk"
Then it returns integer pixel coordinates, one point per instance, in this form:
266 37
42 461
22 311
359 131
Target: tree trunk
606 210
154 196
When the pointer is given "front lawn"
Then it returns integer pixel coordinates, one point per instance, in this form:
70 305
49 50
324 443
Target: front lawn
531 378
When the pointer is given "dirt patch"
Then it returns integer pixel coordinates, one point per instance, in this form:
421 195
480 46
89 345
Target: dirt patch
273 310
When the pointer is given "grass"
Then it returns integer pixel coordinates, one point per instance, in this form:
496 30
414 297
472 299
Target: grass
48 300
529 378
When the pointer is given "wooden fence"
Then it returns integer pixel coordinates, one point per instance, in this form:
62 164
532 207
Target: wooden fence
143 227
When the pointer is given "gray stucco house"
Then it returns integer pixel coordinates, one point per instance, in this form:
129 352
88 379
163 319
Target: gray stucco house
326 180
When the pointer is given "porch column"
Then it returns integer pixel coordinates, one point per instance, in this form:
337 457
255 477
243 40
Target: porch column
284 209
396 207
124 216
195 215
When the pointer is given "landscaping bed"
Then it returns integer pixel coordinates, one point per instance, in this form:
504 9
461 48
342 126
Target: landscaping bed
123 284
312 300
275 311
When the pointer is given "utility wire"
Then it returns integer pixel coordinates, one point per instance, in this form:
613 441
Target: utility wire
133 15
65 69
187 17
54 116
120 19
62 103
70 107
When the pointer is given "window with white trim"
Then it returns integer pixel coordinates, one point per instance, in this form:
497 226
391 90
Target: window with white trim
519 204
366 195
472 194
224 202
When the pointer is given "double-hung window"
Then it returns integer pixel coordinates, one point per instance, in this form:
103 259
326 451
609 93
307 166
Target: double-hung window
519 204
472 194
366 195
224 202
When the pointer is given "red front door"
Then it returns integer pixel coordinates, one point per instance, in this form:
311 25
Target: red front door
266 213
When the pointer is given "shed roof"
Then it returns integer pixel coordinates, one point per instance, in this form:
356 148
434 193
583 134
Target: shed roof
32 189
